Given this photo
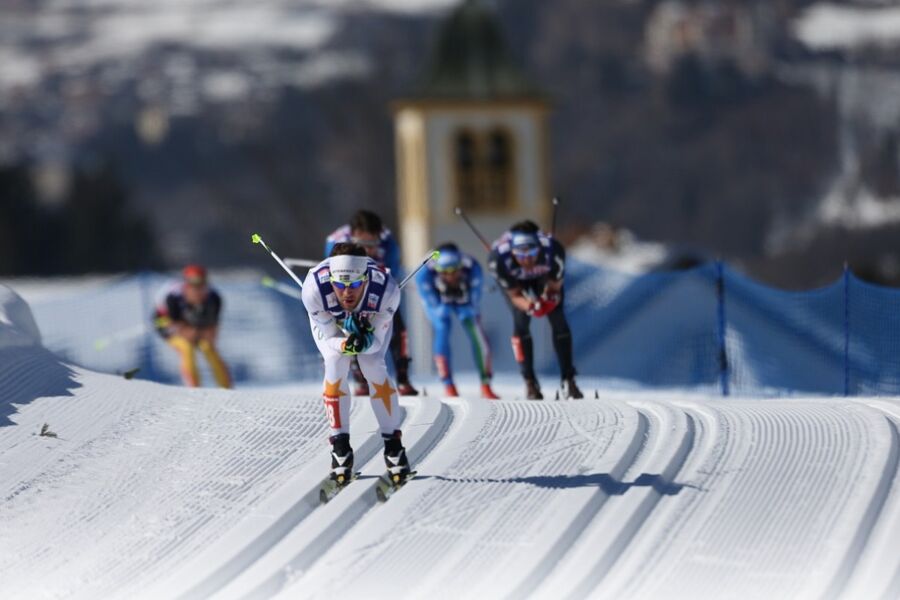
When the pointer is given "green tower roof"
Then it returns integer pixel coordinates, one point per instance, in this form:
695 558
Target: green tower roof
470 61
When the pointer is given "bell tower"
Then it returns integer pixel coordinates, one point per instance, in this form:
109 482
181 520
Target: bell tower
472 134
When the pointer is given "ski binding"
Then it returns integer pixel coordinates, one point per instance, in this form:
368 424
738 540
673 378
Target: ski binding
388 485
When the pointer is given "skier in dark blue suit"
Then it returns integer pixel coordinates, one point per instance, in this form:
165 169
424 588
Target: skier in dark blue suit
530 266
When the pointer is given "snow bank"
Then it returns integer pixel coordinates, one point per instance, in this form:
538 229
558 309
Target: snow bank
17 325
830 26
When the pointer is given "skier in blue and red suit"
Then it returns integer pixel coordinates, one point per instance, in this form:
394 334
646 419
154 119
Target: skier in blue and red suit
367 230
451 285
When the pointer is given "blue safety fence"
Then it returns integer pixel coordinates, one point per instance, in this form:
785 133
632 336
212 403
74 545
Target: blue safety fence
709 328
712 327
106 326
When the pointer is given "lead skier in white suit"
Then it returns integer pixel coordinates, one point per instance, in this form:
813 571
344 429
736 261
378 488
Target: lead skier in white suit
351 302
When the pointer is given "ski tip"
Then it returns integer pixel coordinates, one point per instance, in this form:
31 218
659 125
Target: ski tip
255 238
458 211
435 255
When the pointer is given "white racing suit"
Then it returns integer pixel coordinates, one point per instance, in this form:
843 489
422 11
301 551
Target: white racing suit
378 304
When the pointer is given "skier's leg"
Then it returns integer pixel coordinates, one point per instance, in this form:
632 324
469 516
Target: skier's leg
400 355
337 408
384 397
480 348
523 347
361 386
218 366
482 352
189 372
562 343
386 406
523 350
441 348
337 393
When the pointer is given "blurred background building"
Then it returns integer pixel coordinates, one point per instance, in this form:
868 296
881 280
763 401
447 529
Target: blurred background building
144 136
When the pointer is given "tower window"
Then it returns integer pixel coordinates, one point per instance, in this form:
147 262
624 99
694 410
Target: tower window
484 170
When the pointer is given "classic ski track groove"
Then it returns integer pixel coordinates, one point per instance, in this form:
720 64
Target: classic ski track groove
618 517
192 493
512 462
870 577
299 550
270 521
687 535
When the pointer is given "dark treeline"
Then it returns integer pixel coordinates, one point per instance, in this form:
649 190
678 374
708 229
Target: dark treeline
88 229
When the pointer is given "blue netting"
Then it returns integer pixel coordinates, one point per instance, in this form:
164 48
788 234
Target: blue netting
264 335
709 328
874 339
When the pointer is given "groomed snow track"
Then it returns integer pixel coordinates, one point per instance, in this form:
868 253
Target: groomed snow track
155 492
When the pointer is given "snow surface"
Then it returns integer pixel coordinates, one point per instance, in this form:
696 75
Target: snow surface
827 26
151 491
74 36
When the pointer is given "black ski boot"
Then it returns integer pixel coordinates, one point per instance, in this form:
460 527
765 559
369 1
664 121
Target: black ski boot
341 459
533 390
570 389
395 458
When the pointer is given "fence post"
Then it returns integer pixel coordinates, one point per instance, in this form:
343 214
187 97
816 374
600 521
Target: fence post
147 364
846 329
723 353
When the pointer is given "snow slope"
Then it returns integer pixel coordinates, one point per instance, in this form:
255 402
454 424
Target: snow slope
151 491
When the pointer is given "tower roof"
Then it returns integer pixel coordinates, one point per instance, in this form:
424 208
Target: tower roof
470 60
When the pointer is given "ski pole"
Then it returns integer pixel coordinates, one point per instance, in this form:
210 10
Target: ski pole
431 256
119 336
553 217
300 262
281 288
462 215
258 240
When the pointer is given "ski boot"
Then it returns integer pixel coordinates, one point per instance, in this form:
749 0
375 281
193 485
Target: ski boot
533 390
570 389
450 391
341 468
487 393
341 459
395 459
405 388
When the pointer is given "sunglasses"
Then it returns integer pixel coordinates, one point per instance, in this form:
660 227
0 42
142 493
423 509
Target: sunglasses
526 252
340 285
448 270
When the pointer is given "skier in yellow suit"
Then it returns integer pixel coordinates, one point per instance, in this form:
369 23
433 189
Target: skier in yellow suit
187 317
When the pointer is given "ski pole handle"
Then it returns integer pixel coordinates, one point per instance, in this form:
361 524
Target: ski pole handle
258 240
459 213
431 256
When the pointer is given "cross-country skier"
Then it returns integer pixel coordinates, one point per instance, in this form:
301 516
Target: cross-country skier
187 317
530 265
366 229
351 302
449 286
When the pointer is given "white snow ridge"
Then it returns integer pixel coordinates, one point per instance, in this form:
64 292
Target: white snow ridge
151 491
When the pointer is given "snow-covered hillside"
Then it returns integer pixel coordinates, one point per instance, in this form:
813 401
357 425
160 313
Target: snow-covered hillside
154 491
